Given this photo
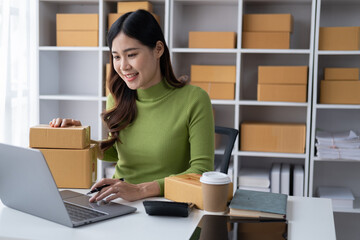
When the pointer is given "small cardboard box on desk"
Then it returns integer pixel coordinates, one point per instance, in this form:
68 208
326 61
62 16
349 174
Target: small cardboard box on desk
68 153
187 188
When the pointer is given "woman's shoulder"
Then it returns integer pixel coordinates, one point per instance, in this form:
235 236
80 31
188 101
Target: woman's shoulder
194 91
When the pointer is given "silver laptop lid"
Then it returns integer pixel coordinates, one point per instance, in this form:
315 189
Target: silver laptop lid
22 188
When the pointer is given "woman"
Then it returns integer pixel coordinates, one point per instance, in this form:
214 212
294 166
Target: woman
158 125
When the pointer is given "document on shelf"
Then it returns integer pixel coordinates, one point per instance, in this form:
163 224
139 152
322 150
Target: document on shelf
338 145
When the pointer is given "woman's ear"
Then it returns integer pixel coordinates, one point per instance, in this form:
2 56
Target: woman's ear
159 49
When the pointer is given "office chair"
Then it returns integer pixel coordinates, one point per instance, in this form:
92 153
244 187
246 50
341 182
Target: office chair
230 134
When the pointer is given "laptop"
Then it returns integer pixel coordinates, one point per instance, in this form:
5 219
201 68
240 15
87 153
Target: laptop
26 184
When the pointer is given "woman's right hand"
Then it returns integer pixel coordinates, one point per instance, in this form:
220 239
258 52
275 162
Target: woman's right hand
66 122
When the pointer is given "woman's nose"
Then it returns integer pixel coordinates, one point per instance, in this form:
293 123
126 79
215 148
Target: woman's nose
125 65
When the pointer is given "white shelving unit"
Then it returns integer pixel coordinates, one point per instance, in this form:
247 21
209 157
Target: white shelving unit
214 15
335 117
71 79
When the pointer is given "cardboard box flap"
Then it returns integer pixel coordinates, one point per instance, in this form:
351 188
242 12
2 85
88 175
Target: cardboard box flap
268 23
84 22
44 136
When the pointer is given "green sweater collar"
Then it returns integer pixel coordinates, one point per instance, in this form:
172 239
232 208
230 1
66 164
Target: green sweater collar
155 92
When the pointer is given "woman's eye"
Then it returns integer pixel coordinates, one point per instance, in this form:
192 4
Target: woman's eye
132 55
116 57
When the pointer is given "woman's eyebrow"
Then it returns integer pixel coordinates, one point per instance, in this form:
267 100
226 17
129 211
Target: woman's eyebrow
126 50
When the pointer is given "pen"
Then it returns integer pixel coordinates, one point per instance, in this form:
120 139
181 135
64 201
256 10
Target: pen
98 189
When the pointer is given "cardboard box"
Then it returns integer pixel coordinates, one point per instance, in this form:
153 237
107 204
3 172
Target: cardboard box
281 92
124 7
77 38
112 17
273 137
339 38
266 40
340 92
76 22
44 136
72 168
212 39
212 73
268 23
187 188
283 75
217 90
77 30
341 73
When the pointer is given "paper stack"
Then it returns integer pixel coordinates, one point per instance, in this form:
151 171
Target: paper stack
339 145
341 197
256 179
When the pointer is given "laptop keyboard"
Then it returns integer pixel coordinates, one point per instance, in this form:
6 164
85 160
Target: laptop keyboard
77 213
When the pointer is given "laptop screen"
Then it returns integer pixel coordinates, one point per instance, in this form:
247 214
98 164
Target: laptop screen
213 227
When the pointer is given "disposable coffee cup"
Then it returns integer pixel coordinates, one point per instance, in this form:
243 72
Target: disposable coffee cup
215 190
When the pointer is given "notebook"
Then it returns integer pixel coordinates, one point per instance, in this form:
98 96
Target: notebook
26 184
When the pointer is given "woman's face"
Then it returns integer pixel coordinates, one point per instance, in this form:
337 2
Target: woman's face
137 64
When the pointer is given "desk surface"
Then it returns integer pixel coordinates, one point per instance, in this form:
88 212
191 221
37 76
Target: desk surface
308 218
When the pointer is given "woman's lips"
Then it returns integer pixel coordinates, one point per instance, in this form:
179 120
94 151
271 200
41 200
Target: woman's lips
130 77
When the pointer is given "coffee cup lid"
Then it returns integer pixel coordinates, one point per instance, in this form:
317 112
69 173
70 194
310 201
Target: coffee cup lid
216 178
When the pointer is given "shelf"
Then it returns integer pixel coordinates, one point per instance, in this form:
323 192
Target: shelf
68 97
339 52
263 103
271 154
203 50
337 106
71 1
74 49
222 102
276 51
317 159
356 208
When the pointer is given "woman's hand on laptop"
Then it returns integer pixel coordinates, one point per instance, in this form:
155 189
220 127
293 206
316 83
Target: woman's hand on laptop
127 191
66 122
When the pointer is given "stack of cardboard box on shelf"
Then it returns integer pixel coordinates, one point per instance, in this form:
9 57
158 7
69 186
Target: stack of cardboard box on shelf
340 86
267 31
77 30
68 153
282 83
124 7
217 81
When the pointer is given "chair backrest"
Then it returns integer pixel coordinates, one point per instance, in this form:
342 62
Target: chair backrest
230 134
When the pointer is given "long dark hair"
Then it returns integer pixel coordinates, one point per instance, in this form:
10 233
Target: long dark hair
142 26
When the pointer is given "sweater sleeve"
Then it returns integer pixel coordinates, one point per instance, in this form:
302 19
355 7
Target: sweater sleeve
201 135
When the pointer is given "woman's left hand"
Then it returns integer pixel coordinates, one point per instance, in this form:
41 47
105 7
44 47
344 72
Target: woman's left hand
124 190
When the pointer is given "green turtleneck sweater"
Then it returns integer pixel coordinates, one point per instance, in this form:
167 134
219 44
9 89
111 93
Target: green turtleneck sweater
173 133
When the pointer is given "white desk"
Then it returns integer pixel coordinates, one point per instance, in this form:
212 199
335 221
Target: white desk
308 218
